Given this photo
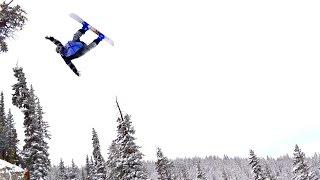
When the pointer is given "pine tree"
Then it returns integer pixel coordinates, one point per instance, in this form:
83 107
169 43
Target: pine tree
163 166
12 18
44 126
74 172
8 135
53 174
41 163
12 150
113 157
184 174
128 158
301 170
35 150
31 145
179 170
200 174
224 175
93 169
99 162
268 173
62 171
21 91
256 166
83 174
89 169
3 129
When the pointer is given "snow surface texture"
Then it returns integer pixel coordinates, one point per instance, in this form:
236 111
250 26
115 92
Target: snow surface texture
10 172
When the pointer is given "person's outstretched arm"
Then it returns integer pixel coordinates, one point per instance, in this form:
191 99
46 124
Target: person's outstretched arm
55 41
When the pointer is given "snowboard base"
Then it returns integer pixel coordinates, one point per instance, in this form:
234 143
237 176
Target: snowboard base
96 31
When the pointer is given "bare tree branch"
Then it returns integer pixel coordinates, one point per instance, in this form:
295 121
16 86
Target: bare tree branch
119 109
5 5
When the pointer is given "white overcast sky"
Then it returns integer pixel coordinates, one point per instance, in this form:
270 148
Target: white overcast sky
198 77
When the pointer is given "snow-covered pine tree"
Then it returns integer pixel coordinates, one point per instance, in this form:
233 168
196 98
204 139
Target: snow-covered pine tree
20 100
30 147
62 171
53 174
113 158
21 91
74 172
99 162
12 18
314 164
8 136
44 125
3 129
12 146
93 169
35 150
256 166
88 169
164 166
83 174
301 170
128 160
41 135
200 174
183 173
224 175
268 173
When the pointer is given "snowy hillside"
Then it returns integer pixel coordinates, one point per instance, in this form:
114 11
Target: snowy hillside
10 172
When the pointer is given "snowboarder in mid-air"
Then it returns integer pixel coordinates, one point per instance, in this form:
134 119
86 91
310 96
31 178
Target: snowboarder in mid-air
75 48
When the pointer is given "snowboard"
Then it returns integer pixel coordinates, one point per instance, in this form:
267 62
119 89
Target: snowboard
96 31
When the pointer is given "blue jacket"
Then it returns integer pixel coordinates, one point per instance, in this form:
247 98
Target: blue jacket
73 48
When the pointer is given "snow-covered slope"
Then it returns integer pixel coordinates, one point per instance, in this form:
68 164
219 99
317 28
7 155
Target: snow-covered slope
10 172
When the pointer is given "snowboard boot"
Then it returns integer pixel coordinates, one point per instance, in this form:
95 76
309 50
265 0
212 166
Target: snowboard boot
85 26
100 38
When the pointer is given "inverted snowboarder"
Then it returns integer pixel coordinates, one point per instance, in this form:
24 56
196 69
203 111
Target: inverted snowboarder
75 48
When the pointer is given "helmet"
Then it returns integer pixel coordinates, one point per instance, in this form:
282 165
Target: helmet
59 49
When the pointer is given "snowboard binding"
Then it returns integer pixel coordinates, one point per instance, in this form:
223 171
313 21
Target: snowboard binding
101 37
85 26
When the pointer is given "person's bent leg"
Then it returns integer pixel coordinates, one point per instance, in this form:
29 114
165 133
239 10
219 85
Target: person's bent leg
92 45
80 32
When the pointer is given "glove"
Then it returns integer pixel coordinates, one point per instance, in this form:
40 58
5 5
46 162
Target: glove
78 73
50 38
